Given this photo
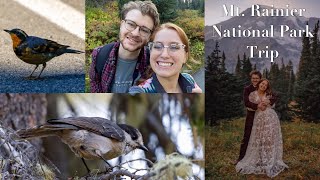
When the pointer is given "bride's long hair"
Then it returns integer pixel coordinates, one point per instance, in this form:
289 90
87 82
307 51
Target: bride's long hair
268 90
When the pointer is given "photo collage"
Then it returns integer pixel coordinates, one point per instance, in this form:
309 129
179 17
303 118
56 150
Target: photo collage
159 89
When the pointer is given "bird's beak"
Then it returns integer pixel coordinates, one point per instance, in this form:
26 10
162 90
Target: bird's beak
142 147
8 31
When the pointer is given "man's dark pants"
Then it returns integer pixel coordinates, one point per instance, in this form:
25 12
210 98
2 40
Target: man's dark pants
247 133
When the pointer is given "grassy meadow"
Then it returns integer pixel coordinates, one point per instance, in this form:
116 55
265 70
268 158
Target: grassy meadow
301 151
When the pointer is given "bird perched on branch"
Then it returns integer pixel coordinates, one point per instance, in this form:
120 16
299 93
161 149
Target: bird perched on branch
36 50
90 137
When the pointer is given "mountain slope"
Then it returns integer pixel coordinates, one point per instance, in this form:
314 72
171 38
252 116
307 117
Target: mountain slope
289 48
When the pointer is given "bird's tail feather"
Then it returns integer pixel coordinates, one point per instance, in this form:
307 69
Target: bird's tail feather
72 51
43 131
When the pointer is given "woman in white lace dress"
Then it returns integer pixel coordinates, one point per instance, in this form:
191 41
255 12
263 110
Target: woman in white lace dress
265 148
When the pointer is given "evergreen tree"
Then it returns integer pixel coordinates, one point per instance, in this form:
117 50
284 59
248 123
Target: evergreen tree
265 73
314 49
291 78
283 78
279 84
238 70
188 4
283 87
194 4
167 9
304 59
96 3
308 80
213 62
274 72
223 64
312 84
244 58
247 68
120 5
201 8
224 90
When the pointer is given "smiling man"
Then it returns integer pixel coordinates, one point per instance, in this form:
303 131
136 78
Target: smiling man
116 66
251 108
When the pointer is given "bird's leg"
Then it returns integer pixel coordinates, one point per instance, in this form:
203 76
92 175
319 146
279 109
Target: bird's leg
110 167
84 162
30 77
44 66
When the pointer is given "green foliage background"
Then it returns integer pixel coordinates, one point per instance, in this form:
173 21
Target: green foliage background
103 24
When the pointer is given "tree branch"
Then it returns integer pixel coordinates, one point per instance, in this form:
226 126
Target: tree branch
140 159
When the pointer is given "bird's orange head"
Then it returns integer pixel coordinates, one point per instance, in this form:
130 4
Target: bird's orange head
17 36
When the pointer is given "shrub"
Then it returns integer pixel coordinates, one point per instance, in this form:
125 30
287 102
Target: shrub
102 26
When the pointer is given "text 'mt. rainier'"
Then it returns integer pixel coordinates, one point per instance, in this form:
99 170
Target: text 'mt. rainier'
261 11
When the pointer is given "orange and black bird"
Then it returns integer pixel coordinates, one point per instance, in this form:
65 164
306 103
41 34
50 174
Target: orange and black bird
36 50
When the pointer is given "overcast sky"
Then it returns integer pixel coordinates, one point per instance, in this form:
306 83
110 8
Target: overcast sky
214 11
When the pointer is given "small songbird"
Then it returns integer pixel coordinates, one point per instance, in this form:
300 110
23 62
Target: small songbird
36 50
90 137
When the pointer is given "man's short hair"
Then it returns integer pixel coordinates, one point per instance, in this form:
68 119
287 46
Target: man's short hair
145 7
255 72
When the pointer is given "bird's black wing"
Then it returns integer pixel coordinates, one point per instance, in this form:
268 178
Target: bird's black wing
39 45
35 50
98 125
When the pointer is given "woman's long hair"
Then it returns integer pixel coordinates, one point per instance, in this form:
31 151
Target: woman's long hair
268 90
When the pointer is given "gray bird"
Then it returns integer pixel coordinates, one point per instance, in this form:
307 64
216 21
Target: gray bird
90 137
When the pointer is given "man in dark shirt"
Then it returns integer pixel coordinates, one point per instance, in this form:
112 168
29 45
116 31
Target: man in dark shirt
116 66
251 108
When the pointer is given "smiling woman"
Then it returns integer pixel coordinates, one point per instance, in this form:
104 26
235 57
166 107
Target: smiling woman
116 66
169 51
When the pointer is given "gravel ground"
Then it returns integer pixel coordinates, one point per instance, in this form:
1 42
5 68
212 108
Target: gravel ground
62 74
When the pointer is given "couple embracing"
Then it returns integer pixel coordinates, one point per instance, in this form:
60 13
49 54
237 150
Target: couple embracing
262 147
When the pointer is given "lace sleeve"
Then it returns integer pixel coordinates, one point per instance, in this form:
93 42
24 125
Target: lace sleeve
254 98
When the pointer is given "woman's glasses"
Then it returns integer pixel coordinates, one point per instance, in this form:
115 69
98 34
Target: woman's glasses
158 47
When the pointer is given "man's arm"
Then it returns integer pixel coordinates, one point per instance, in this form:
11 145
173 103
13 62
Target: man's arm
95 80
247 103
